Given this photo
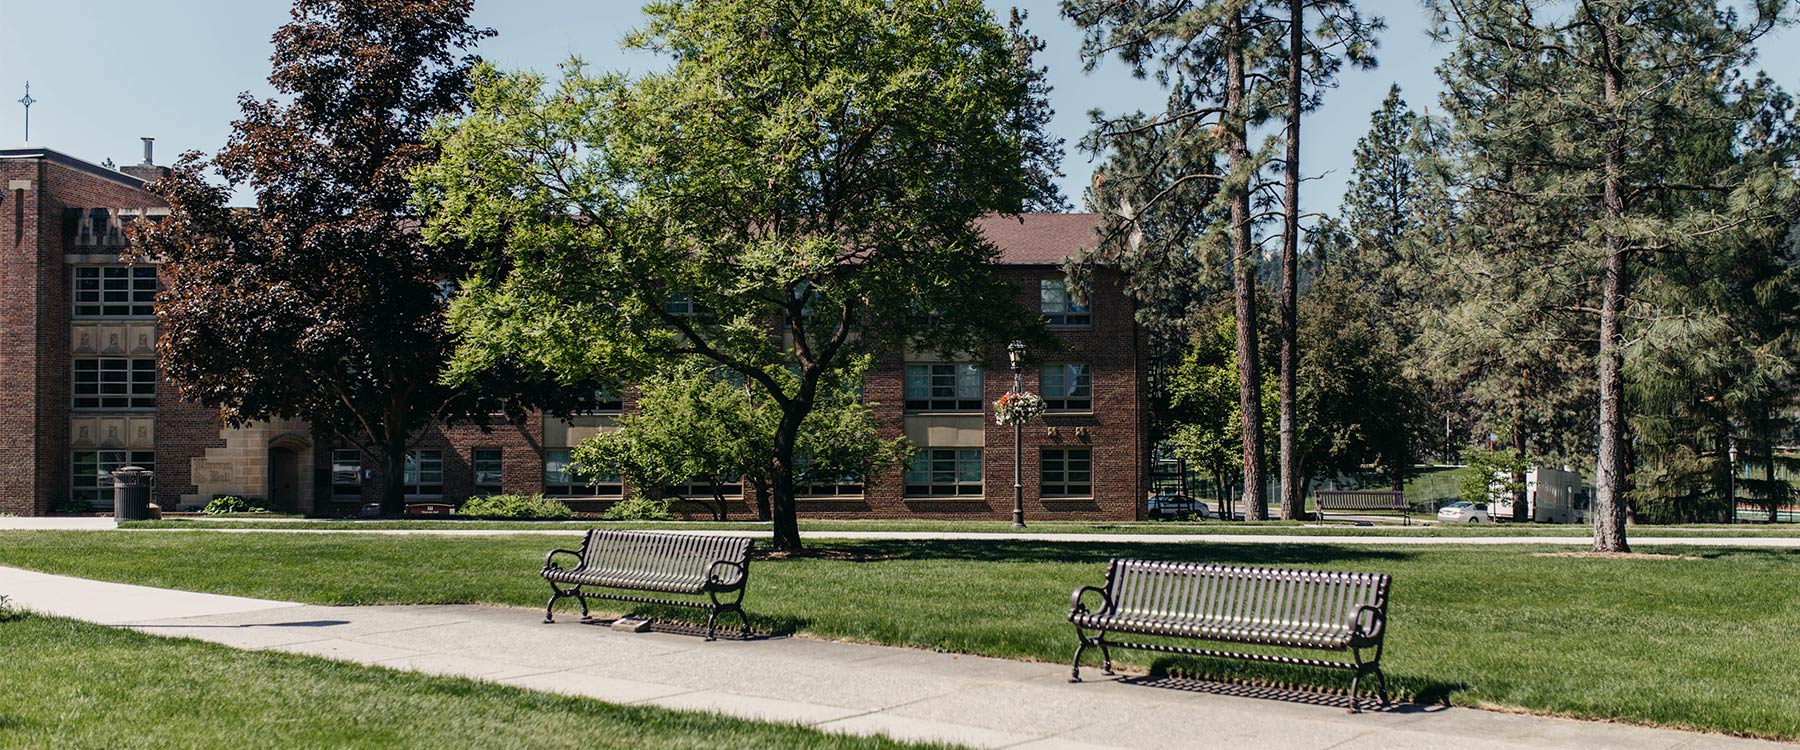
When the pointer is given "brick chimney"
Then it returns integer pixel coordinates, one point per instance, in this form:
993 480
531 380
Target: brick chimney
147 171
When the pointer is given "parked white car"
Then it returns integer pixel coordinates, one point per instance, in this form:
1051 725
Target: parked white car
1464 511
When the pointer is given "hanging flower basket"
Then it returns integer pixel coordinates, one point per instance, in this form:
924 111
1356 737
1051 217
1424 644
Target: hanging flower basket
1022 406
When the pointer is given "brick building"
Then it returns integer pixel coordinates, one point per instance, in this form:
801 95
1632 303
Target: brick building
84 395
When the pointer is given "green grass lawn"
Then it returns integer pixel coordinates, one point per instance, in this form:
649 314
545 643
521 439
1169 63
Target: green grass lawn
75 685
1702 643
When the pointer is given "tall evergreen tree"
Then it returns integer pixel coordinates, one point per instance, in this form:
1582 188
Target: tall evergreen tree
1314 55
1598 97
1164 192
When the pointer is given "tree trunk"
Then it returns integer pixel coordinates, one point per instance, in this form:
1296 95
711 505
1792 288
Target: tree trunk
393 457
784 512
719 497
1243 272
1292 497
393 474
761 488
1609 504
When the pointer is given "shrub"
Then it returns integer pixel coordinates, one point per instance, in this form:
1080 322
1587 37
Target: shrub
515 507
639 508
69 505
227 504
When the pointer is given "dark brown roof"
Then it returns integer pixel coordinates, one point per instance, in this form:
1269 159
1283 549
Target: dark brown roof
1039 239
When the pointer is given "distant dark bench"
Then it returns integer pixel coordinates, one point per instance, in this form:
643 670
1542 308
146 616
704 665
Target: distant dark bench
665 563
1336 500
1308 609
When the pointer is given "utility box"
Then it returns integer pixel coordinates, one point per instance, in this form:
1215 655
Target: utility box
1551 496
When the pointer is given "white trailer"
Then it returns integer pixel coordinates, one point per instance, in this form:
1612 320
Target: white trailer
1551 496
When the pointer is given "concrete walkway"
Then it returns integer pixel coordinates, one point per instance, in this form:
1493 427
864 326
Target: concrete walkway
839 687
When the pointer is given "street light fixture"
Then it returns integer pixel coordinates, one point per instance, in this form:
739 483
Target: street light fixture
1015 354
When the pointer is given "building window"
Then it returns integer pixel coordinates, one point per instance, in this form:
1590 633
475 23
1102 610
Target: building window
424 474
487 463
944 471
561 480
346 472
1054 302
1068 387
90 472
682 304
700 488
115 383
1066 472
847 485
607 402
943 387
115 291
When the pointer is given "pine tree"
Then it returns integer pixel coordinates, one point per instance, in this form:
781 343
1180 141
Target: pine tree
1598 98
1314 56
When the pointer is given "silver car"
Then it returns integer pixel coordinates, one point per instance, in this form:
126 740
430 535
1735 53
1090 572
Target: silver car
1176 507
1463 511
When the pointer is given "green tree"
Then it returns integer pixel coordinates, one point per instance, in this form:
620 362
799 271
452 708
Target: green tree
322 303
1598 99
1314 56
798 188
1356 404
691 424
1181 182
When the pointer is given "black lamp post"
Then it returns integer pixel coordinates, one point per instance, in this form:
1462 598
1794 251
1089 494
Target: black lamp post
1731 504
1015 353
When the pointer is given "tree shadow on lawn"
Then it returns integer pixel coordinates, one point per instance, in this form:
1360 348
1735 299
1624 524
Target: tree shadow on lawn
1004 551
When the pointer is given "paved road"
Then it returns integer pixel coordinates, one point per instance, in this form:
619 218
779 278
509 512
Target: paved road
839 687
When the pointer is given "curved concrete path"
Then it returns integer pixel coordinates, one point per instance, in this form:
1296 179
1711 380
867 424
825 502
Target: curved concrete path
840 687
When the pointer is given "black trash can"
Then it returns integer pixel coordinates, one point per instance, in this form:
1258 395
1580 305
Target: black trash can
131 493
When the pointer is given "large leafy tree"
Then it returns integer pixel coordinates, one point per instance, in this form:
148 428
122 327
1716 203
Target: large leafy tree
798 188
322 302
1575 112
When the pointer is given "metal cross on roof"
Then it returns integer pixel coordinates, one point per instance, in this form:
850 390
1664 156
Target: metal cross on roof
27 101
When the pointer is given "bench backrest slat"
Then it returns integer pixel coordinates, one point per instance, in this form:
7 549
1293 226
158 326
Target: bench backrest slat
1238 596
659 556
1360 499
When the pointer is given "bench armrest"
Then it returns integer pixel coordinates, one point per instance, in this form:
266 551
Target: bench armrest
733 573
1076 607
549 560
1368 628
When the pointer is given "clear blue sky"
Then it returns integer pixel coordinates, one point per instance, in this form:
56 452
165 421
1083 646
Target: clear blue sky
106 72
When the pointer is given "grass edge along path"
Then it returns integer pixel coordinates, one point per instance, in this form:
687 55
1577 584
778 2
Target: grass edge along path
1701 641
93 686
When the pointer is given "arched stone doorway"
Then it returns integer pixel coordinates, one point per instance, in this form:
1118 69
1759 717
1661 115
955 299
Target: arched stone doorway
288 474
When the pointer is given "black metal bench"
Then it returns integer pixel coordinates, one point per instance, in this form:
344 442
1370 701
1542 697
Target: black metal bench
1364 500
1307 609
657 562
